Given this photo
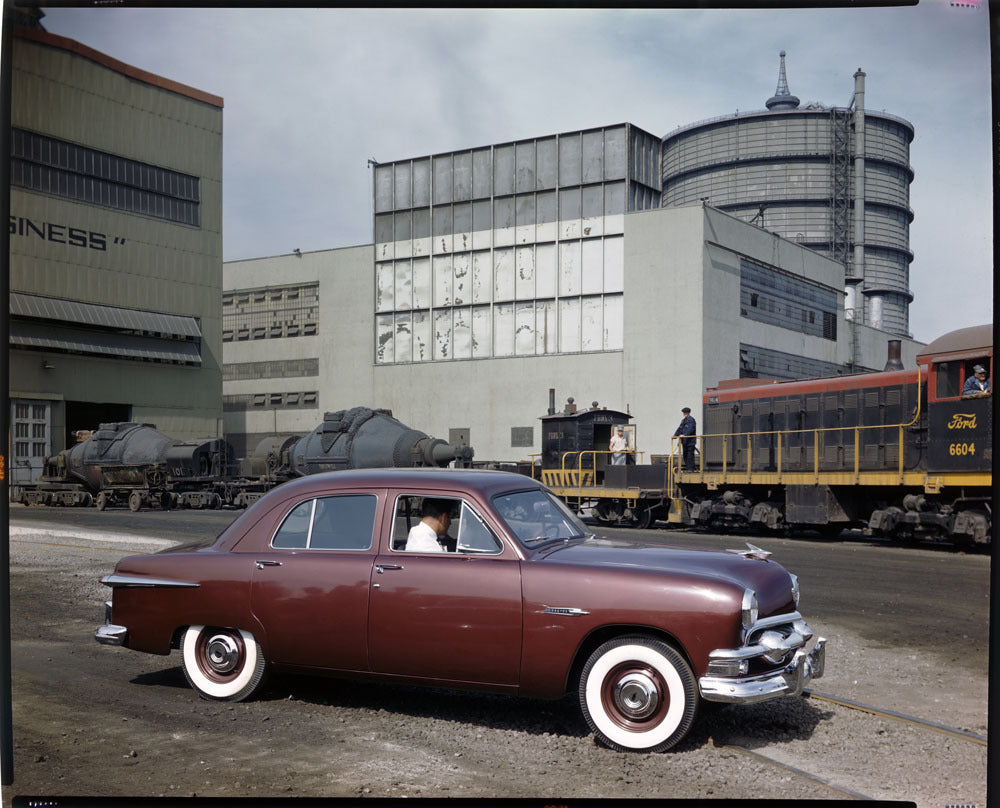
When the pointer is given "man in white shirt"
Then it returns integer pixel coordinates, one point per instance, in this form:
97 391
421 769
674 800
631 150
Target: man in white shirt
423 537
618 447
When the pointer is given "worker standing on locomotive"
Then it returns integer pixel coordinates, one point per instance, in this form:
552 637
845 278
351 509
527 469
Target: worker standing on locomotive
977 385
618 447
686 431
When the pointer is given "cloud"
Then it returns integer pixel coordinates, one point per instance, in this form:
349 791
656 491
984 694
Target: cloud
312 94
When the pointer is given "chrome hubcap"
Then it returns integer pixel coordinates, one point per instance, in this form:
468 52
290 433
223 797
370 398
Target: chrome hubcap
222 653
636 696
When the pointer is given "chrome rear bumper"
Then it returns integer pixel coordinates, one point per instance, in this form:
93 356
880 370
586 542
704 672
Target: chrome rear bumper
110 634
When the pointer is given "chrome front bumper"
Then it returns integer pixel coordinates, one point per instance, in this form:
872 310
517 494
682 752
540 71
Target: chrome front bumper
808 660
110 634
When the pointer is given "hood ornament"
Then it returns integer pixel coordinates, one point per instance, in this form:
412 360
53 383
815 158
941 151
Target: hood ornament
753 552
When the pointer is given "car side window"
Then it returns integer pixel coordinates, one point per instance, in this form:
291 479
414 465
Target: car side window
329 523
294 531
467 533
473 534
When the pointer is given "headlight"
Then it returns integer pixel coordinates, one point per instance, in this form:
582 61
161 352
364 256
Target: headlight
749 613
795 588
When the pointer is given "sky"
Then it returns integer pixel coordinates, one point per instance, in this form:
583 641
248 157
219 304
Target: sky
312 94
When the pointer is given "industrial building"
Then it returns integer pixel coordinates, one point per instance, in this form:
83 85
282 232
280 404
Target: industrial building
115 249
691 296
833 179
618 269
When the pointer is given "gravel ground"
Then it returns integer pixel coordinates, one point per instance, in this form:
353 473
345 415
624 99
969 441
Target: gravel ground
93 720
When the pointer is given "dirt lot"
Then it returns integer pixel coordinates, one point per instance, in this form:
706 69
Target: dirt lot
94 720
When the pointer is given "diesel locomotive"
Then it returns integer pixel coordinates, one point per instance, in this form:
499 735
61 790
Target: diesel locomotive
898 453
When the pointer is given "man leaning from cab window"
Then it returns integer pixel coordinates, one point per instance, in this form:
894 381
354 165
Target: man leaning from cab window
977 385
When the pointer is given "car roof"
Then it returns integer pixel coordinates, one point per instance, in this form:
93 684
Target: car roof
487 481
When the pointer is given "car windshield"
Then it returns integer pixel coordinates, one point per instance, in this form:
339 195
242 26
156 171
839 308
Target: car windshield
536 516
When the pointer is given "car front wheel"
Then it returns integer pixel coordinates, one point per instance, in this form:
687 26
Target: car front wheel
225 664
638 694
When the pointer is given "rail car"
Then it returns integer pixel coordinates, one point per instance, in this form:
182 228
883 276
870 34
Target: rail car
136 465
897 453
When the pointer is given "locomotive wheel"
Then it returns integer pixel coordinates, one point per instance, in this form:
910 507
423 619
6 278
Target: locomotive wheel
102 500
638 694
224 664
134 501
642 516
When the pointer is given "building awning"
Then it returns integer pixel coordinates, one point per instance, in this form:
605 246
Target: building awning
36 307
71 339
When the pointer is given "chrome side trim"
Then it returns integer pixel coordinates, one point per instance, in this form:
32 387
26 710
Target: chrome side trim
139 580
565 611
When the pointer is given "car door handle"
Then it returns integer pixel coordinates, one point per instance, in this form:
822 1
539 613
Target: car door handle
380 568
267 563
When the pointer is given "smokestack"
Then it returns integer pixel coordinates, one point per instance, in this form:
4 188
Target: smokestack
895 361
858 263
552 401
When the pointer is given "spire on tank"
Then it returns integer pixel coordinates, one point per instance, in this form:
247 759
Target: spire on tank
782 98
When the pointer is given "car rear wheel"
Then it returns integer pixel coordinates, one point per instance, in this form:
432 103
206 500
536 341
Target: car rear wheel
638 694
225 664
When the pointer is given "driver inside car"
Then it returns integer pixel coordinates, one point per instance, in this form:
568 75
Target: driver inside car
431 534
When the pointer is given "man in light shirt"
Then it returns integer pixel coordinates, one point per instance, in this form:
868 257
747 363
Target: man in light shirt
618 447
428 536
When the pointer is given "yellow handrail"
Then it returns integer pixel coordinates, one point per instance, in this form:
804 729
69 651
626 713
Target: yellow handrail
675 455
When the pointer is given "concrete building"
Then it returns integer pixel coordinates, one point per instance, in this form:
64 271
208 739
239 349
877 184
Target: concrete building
115 249
702 296
834 179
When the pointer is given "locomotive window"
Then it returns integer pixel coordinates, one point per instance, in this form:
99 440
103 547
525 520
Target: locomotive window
949 379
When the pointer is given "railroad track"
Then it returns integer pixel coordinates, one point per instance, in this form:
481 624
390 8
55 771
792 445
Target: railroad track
859 707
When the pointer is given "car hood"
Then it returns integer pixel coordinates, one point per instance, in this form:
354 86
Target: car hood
768 578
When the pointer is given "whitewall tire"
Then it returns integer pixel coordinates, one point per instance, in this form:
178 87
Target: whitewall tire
638 694
225 664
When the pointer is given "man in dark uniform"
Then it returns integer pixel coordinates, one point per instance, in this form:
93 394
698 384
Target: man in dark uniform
686 432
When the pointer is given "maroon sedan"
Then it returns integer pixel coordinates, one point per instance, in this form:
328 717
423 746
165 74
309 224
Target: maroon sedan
471 579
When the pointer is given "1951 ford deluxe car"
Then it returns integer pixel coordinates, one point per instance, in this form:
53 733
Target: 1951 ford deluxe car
508 592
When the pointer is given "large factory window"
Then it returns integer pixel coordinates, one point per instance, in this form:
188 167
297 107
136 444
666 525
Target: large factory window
51 166
769 295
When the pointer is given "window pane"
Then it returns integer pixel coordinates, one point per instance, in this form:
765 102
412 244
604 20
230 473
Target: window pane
569 268
473 534
343 523
503 274
503 170
503 330
570 160
462 290
442 171
401 196
463 176
525 166
443 280
421 182
294 531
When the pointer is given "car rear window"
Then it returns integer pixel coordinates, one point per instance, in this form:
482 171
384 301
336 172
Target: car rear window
329 523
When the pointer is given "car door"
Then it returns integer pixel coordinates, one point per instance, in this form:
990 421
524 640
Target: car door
451 615
310 587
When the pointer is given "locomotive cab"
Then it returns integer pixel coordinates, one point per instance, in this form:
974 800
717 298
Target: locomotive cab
961 427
